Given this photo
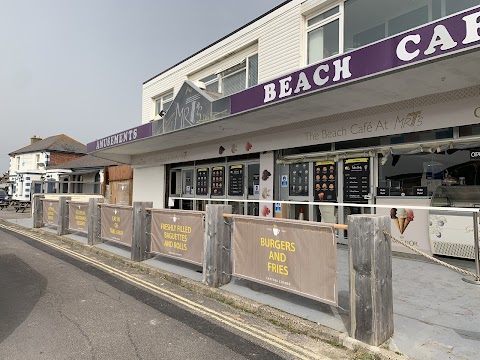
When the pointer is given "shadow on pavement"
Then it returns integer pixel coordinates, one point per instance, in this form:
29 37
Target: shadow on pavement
20 289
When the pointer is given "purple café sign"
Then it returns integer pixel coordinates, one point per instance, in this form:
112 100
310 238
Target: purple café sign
136 133
434 40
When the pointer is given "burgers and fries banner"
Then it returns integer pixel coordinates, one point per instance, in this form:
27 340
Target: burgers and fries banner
295 256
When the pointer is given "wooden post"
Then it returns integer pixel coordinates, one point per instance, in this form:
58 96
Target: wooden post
148 232
139 241
94 218
62 227
370 262
38 211
217 265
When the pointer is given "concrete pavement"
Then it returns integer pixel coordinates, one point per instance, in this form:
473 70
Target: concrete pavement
437 315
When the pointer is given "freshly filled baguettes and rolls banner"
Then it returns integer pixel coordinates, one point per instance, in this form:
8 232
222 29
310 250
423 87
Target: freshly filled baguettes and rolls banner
178 234
50 212
296 256
117 224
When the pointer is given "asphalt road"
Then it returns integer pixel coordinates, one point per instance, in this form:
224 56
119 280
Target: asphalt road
55 306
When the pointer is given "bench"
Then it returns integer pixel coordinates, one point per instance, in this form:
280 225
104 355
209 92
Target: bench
21 206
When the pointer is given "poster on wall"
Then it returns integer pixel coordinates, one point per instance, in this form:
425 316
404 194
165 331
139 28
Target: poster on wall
202 181
356 183
299 179
235 180
325 181
218 181
409 225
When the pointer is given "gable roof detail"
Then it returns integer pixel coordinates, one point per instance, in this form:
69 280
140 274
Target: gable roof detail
56 143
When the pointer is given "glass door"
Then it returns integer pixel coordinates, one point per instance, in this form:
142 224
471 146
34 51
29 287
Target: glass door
187 189
253 185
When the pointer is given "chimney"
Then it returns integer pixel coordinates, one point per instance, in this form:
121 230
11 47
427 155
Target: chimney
34 139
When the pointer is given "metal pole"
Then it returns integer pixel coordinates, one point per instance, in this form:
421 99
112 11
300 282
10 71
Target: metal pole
476 280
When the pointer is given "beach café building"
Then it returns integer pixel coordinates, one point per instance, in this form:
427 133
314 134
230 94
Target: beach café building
324 102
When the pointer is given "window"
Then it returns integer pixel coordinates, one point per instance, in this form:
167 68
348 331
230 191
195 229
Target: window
163 103
235 78
367 21
323 35
18 163
37 161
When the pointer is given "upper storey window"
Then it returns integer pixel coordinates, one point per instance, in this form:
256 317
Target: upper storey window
323 35
235 78
349 24
367 21
162 103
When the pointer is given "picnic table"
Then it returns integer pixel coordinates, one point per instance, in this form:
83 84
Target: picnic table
22 205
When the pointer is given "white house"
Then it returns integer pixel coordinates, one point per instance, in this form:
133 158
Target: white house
29 164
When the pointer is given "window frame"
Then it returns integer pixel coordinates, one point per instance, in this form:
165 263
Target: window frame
338 16
219 78
161 100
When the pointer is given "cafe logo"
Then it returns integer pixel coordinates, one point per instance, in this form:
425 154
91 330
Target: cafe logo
476 112
175 218
276 230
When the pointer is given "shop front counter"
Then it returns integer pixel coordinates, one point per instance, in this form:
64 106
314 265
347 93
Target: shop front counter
451 233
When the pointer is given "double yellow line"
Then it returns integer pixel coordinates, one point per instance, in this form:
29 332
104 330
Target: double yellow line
270 339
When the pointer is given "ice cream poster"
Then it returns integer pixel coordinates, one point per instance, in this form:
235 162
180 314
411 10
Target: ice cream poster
409 225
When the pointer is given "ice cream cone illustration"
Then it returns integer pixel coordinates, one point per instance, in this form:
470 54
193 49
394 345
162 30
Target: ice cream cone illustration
402 216
393 216
408 220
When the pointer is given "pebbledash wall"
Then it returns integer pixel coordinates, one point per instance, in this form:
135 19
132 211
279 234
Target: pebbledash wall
326 86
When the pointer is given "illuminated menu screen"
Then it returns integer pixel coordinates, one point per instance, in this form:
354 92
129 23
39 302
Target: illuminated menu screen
218 181
202 181
235 180
356 180
325 181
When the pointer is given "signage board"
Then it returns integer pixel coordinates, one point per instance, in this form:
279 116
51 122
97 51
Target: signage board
178 234
475 154
298 257
78 217
218 181
235 180
124 137
383 191
117 224
284 181
50 212
356 180
434 40
325 181
420 191
202 181
299 179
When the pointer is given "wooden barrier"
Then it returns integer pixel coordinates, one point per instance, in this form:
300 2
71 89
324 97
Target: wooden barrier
371 295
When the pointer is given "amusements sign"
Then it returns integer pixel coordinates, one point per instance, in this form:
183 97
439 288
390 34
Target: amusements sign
235 180
356 180
202 181
117 224
325 181
178 234
77 217
294 256
50 212
218 181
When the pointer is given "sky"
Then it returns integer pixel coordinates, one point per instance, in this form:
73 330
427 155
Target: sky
77 67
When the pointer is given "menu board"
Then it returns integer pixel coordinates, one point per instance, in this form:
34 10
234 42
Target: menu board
356 181
325 180
299 179
218 181
235 180
202 181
